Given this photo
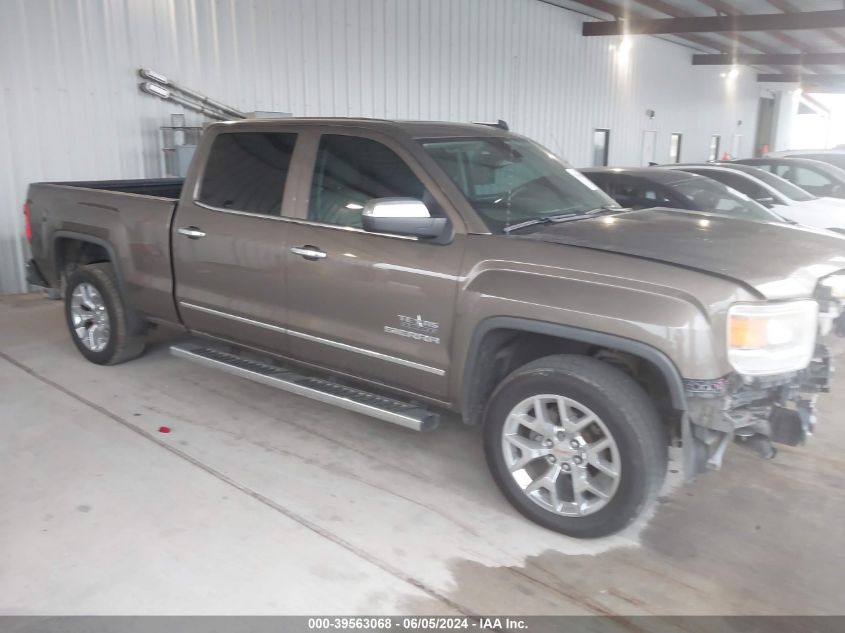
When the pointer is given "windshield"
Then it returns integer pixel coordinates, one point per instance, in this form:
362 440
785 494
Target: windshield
509 181
708 195
784 187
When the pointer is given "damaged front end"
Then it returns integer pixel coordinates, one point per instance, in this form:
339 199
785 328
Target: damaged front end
755 412
752 407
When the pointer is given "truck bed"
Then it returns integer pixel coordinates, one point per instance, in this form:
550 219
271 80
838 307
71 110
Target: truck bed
170 188
129 220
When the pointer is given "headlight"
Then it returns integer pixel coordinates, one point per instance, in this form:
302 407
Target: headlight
772 338
836 283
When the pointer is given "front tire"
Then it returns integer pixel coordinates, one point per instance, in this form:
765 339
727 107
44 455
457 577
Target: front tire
101 326
575 445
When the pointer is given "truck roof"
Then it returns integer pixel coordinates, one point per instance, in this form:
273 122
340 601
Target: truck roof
414 129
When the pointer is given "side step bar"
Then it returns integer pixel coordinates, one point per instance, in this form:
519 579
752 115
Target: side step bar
402 413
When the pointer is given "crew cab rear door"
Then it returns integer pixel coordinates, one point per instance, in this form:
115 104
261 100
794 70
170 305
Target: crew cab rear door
374 306
229 239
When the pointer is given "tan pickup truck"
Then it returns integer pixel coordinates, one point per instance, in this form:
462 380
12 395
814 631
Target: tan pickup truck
403 269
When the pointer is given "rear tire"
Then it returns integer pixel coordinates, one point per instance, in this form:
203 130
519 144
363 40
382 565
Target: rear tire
575 445
103 328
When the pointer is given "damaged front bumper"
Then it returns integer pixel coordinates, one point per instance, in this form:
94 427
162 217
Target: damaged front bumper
756 413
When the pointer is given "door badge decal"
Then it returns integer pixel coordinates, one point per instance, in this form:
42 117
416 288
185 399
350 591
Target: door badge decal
415 327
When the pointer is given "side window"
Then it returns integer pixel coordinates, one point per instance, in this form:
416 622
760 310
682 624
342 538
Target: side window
743 185
626 192
351 170
810 179
656 196
640 194
246 171
669 198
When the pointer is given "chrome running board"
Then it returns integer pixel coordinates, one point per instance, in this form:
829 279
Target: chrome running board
405 414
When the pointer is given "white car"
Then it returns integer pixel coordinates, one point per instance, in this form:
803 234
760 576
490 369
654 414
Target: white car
778 194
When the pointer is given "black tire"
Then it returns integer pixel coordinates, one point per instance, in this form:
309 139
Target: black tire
626 411
127 335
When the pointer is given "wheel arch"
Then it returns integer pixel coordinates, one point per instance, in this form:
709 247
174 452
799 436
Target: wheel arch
494 334
64 240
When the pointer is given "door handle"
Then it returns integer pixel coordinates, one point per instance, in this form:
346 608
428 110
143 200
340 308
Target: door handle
308 252
191 231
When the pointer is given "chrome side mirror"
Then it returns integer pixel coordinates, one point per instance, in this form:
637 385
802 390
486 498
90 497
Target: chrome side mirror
401 216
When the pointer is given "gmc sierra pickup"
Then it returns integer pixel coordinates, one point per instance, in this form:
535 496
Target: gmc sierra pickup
401 269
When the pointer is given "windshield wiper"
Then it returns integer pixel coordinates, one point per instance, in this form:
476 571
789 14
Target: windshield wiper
566 217
546 219
601 210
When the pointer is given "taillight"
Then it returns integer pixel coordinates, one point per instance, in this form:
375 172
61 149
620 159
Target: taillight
27 219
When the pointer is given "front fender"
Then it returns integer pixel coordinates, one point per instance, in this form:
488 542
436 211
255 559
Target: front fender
672 321
657 358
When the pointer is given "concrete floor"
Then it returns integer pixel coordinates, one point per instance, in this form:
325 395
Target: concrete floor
266 503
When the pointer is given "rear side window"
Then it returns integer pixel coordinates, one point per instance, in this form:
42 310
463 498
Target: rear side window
810 179
735 181
246 171
351 170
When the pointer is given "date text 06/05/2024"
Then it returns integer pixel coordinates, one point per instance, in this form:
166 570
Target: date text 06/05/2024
416 623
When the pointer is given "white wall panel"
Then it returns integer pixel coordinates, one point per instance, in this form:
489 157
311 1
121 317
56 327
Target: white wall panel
70 108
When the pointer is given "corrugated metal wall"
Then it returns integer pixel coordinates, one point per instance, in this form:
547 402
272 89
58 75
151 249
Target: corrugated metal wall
70 108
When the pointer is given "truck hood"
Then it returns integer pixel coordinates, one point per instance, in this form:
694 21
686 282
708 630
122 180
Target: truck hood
776 260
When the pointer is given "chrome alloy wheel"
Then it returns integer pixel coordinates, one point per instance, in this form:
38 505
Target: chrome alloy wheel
90 317
561 455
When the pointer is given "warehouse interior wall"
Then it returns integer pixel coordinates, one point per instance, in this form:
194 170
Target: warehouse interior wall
70 107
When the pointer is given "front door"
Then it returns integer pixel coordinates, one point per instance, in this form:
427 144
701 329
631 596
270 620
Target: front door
229 243
378 307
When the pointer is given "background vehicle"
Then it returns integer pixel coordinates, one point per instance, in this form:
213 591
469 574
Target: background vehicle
813 176
776 193
644 188
835 157
399 268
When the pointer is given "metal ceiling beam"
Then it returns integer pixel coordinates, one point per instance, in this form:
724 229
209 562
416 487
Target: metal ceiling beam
716 5
673 11
618 11
718 24
767 59
787 6
727 8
